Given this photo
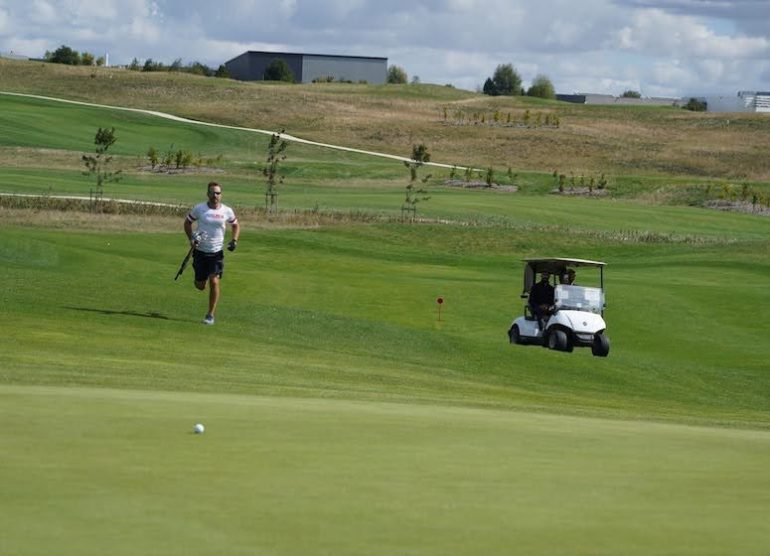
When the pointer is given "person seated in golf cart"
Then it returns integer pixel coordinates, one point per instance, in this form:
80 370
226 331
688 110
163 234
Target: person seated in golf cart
541 298
567 277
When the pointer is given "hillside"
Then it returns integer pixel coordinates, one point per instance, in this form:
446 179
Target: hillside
618 141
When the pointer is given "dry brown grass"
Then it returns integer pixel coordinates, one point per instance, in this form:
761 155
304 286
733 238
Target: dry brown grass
25 157
75 215
86 221
611 139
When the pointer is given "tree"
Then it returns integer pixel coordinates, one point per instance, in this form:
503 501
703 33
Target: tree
87 59
200 69
507 80
490 88
222 71
278 70
275 156
696 105
415 194
489 176
420 153
396 75
63 55
631 94
542 88
149 65
134 65
97 165
152 157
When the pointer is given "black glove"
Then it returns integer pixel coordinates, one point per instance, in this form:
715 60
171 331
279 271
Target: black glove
232 245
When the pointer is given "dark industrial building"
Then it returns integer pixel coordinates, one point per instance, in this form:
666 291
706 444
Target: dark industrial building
251 65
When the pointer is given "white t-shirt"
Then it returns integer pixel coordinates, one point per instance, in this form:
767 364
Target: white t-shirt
212 222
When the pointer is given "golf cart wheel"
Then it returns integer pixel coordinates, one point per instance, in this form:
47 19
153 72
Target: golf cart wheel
514 335
601 346
558 340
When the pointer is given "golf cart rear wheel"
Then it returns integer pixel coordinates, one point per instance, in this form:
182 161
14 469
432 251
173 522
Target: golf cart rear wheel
558 340
514 335
600 346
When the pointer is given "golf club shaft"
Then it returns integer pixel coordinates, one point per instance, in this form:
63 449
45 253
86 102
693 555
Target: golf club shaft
184 263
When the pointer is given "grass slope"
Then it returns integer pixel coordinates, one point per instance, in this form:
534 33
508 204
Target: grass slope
615 140
342 416
315 177
350 311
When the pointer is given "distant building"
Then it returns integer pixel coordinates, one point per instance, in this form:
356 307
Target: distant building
592 98
251 65
744 101
760 101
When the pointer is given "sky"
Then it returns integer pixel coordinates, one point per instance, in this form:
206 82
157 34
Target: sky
670 48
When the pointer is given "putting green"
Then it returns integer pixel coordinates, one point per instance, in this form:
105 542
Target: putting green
99 470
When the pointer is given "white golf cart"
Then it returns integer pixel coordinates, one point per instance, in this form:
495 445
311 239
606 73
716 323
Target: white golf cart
576 318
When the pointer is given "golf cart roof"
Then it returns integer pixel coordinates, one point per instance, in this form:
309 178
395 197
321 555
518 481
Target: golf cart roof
555 265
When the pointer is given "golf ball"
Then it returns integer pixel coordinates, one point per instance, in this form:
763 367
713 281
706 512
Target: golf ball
199 428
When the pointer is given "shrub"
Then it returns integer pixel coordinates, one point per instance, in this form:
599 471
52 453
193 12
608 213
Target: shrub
222 71
396 75
278 70
542 88
695 105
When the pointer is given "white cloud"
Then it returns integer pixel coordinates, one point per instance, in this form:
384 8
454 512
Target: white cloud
659 33
41 13
3 21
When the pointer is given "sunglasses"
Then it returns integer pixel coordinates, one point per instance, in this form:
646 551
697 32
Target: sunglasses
215 192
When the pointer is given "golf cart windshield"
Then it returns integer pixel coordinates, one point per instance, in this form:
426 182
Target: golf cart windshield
578 298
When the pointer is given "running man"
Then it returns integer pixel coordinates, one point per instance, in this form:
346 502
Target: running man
208 257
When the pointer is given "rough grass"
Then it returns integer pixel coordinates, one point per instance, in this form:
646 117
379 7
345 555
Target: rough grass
110 216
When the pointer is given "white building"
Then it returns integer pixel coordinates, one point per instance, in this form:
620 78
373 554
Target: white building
756 101
744 101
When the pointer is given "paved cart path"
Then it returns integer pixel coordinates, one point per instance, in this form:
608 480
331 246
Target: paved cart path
210 124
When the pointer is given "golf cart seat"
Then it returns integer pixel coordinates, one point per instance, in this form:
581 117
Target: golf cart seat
528 314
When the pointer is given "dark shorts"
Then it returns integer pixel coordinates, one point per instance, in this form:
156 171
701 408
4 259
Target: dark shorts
208 264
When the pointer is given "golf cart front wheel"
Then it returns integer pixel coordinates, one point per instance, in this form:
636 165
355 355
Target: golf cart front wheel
514 335
558 340
601 346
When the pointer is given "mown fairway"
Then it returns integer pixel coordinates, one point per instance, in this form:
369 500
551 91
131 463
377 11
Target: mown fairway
342 416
